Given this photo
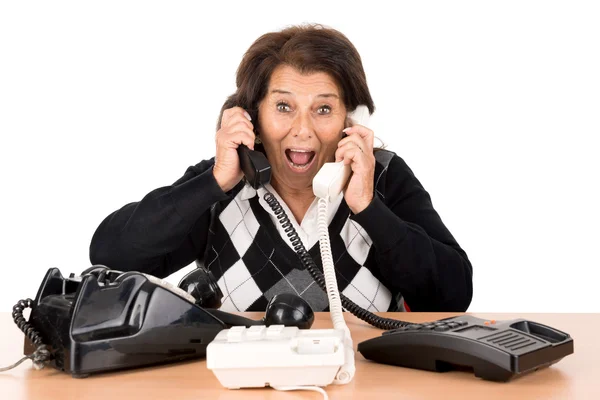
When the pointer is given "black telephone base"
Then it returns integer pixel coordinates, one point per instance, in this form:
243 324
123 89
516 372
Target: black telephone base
93 324
495 351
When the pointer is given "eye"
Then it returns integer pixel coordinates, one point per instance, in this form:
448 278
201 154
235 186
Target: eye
282 106
324 110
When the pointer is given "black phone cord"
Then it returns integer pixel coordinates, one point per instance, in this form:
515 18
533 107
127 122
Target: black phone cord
41 354
317 275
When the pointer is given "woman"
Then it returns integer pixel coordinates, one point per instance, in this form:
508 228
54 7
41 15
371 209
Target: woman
295 89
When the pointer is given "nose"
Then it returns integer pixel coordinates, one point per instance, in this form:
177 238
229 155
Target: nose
303 125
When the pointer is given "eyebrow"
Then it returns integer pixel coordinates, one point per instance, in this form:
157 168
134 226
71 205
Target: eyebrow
319 95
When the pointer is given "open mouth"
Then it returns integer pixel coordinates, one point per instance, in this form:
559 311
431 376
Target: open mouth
300 159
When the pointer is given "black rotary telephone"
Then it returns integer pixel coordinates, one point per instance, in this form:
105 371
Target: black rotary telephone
105 320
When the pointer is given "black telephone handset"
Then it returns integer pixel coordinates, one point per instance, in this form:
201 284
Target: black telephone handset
255 166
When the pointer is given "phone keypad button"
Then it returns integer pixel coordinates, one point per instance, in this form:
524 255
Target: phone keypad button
235 333
256 332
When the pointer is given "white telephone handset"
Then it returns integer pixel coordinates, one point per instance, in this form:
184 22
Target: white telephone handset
333 176
360 116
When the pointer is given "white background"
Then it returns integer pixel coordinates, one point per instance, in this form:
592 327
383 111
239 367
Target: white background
494 105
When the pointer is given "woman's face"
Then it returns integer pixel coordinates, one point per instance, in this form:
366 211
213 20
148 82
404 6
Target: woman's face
301 120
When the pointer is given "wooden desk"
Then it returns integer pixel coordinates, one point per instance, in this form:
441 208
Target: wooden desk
575 377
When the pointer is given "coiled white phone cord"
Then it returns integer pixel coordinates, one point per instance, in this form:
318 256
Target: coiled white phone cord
346 372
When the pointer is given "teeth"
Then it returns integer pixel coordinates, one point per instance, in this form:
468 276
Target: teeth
301 151
298 165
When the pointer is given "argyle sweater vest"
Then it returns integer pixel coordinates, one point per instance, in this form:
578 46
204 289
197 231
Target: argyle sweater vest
252 262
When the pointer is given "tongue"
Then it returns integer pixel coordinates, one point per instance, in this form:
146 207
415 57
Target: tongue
299 158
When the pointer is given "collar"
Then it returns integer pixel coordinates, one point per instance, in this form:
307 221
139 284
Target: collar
247 192
308 229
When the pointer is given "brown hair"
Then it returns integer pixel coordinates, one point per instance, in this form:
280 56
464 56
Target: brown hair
308 48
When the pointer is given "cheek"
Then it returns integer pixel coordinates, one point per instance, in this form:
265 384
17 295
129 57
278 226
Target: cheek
279 126
330 144
273 131
271 140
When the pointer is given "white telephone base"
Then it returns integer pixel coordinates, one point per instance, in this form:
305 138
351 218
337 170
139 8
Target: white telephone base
275 356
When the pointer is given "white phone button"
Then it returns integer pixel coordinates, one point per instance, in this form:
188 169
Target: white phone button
235 333
255 332
274 331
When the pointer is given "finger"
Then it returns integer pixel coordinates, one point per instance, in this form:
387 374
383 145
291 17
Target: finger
348 152
355 141
235 135
244 136
354 157
230 113
239 125
236 118
366 134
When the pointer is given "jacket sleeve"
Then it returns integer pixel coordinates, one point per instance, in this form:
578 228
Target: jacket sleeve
416 254
165 231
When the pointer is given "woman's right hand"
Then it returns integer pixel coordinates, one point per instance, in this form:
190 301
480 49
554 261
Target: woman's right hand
236 129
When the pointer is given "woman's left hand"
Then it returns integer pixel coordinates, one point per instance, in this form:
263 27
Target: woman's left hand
357 150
